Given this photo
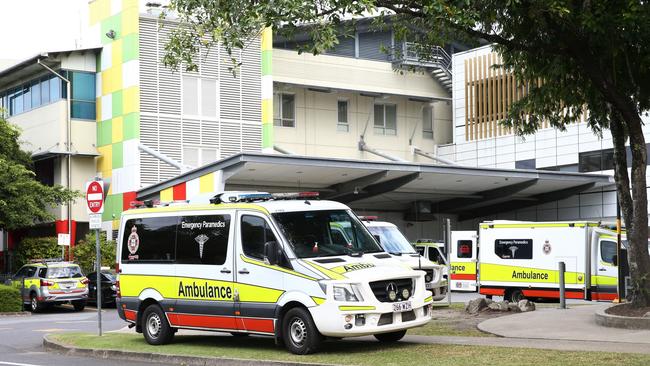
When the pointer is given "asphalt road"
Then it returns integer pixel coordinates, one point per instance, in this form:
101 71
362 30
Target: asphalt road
21 337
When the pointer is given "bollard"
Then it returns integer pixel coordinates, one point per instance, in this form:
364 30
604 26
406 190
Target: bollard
562 293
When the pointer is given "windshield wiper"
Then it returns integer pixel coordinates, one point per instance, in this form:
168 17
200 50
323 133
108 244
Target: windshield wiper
395 253
353 253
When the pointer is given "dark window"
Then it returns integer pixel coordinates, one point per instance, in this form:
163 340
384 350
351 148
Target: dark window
31 271
255 232
525 164
149 239
562 168
607 251
342 125
345 47
83 95
373 45
45 91
44 170
284 110
36 94
464 248
514 248
21 272
434 255
42 272
202 239
420 250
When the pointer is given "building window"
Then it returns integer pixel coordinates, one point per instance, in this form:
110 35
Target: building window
83 94
284 110
342 123
199 96
386 119
196 156
525 164
427 122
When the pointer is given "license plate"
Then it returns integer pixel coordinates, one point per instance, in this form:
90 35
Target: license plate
66 285
402 306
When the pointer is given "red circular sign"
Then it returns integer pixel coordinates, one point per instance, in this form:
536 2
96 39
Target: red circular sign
95 197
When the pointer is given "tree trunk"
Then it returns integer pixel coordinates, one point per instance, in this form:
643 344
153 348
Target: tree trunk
637 234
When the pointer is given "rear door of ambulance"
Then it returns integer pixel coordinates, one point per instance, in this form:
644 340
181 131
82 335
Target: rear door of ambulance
463 258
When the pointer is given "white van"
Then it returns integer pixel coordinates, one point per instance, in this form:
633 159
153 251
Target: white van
259 263
520 259
395 243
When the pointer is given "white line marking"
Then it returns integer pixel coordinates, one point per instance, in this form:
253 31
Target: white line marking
17 364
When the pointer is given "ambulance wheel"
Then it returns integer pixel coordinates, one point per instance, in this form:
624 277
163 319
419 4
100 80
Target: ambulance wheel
35 306
390 337
514 296
299 332
155 328
79 305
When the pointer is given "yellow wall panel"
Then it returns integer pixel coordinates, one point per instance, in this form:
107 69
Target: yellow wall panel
116 52
129 20
206 183
131 100
167 195
104 162
117 127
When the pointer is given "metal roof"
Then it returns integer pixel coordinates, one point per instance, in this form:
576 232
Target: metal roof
394 186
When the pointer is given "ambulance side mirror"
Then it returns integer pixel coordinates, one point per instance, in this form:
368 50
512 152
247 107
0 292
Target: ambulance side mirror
271 252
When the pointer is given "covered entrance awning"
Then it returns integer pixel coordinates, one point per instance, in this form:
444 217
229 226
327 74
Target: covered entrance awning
383 185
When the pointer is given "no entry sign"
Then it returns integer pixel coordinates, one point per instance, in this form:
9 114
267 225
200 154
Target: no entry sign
95 197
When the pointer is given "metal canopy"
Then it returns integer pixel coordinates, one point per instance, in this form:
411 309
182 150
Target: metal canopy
394 186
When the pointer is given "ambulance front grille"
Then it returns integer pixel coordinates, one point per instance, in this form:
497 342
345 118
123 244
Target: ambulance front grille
379 288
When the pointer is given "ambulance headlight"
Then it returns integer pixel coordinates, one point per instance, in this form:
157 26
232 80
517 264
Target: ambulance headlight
347 292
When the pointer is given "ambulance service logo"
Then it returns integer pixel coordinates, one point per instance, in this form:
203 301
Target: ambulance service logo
133 243
201 239
547 247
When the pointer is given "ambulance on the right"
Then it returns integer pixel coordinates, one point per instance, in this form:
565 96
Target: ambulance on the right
520 260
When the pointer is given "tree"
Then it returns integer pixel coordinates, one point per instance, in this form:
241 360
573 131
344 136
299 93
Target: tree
588 54
24 201
36 248
85 252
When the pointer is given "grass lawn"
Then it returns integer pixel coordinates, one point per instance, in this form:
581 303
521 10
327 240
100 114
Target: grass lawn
352 352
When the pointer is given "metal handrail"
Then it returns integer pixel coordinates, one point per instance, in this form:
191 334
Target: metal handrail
438 56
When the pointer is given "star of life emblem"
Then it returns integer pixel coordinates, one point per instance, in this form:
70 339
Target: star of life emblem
201 239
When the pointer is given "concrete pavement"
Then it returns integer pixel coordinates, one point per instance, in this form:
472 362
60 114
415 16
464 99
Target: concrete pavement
576 324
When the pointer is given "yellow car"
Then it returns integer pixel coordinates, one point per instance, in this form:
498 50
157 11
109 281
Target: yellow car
49 282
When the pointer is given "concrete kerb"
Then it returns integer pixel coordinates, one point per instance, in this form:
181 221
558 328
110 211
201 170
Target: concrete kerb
625 322
53 346
17 313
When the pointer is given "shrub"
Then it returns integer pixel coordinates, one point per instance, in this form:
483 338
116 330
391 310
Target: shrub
35 248
10 300
84 252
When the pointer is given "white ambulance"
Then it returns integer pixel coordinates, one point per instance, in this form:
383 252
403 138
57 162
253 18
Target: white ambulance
255 263
520 260
395 243
463 256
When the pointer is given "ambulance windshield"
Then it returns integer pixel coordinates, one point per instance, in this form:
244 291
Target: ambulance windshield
325 233
392 240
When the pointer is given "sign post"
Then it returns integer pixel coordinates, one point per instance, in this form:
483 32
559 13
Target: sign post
95 207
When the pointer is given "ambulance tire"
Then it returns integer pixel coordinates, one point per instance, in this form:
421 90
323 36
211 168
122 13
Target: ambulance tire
514 295
35 306
390 337
79 305
155 328
299 333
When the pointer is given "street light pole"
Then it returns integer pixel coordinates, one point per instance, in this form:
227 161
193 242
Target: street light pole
67 146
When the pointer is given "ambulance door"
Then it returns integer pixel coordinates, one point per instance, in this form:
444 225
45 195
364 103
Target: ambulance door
258 284
205 271
463 255
606 275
